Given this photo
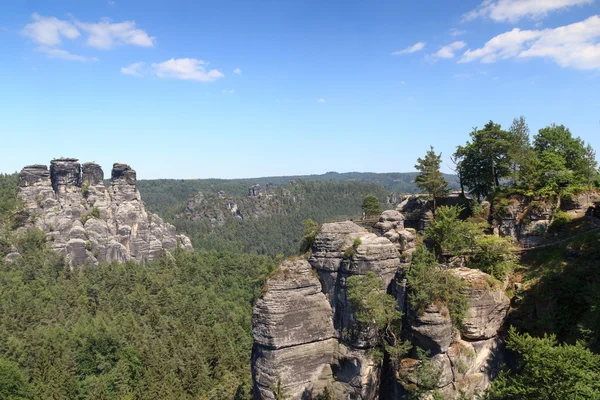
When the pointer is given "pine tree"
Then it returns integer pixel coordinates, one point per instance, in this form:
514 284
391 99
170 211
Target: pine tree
431 180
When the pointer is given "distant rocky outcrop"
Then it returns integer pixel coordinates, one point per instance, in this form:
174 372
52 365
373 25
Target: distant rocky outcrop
217 210
306 338
89 222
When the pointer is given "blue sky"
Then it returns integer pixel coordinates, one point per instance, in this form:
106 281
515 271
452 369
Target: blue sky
194 89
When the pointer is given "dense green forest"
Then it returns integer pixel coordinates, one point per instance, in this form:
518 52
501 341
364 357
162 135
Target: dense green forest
178 328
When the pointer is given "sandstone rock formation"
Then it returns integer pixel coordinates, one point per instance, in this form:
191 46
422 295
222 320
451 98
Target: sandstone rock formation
334 352
89 222
468 358
527 220
306 338
391 225
294 338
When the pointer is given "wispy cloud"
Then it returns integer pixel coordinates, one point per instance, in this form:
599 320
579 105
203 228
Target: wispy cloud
186 69
49 31
576 45
111 3
237 71
134 69
321 100
54 52
514 10
457 32
411 49
230 91
447 51
105 35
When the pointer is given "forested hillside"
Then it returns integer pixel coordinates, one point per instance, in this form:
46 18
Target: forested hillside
161 195
267 224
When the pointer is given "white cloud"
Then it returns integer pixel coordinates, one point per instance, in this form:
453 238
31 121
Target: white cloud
402 82
576 45
321 100
105 35
447 51
411 49
49 31
237 71
186 69
54 52
513 10
230 91
111 3
457 32
133 69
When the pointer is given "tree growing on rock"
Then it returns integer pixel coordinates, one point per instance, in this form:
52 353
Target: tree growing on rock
371 205
485 160
310 229
377 310
430 179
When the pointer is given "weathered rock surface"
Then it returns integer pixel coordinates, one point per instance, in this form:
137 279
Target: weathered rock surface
305 307
306 336
524 220
488 306
468 358
89 222
391 225
294 338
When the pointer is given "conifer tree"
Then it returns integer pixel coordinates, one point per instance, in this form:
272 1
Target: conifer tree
431 180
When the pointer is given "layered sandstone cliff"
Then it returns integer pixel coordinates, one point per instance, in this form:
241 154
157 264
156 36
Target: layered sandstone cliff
89 222
307 341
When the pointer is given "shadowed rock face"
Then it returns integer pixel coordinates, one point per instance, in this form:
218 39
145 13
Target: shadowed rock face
93 223
34 174
92 174
122 173
65 172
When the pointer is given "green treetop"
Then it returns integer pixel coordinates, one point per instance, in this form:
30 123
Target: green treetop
431 180
371 205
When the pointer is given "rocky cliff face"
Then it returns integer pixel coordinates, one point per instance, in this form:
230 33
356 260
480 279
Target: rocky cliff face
305 333
469 357
527 220
306 338
89 222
